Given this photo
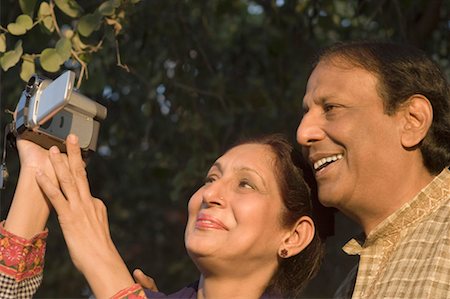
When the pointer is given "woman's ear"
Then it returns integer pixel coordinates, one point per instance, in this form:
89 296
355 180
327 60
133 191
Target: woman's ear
418 116
297 238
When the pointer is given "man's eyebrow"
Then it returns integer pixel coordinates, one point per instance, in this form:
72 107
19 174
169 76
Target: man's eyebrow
305 107
318 101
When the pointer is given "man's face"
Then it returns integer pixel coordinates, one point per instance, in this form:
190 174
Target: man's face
352 144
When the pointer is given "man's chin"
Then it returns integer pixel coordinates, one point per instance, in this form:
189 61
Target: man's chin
328 200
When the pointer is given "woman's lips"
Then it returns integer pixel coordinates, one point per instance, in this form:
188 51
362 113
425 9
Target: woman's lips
206 221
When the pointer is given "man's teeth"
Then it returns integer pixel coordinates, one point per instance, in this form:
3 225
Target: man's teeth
322 161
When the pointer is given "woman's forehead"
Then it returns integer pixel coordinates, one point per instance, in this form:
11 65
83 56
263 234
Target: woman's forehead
249 155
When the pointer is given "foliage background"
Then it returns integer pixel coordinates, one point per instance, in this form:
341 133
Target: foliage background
201 74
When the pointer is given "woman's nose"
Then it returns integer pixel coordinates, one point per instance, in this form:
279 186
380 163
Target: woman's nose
309 131
213 194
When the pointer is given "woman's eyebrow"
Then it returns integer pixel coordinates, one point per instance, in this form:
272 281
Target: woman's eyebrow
252 171
216 165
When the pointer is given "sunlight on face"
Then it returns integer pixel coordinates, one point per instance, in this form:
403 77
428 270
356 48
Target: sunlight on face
348 137
235 216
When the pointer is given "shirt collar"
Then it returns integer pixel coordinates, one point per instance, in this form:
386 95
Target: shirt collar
426 201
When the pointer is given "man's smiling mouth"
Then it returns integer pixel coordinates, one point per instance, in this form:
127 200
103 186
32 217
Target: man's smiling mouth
322 163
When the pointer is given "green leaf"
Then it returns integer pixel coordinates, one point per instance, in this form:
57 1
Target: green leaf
107 8
22 24
116 3
2 43
44 10
16 29
63 47
50 60
44 15
78 45
28 68
68 33
69 7
27 6
89 23
25 21
11 58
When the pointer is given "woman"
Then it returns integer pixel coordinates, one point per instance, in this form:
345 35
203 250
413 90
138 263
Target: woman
249 231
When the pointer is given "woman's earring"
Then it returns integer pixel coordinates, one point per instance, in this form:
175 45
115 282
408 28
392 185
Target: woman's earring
283 253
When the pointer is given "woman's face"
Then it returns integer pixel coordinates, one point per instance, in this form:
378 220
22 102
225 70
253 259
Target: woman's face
235 217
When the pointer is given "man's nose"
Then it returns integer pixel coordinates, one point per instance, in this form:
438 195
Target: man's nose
309 130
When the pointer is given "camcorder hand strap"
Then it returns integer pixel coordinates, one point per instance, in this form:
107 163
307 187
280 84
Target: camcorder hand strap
9 140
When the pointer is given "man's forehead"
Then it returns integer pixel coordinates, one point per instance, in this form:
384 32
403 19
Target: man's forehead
337 80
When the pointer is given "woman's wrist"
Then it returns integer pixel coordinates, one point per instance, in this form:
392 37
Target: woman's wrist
29 210
109 276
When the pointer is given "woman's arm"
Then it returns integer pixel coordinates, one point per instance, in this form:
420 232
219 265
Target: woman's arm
22 240
30 209
84 223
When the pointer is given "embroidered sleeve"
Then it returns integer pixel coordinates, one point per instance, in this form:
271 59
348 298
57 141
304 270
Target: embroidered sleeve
133 292
21 264
21 258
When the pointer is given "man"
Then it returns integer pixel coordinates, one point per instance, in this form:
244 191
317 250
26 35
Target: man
376 128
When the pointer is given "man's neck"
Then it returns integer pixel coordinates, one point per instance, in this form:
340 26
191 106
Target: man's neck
389 199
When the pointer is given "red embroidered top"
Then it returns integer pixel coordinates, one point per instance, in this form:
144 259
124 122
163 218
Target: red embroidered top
22 264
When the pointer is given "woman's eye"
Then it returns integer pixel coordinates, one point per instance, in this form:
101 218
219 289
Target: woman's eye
246 184
209 179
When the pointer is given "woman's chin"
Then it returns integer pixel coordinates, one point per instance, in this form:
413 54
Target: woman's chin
199 249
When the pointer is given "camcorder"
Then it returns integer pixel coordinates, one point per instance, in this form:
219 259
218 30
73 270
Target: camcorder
48 111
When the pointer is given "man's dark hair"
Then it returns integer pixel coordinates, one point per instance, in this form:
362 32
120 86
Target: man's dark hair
402 72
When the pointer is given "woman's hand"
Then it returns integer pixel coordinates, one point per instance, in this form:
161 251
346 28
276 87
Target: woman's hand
84 222
33 157
29 209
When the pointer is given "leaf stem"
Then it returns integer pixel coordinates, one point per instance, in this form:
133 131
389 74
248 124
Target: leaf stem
119 62
52 10
83 70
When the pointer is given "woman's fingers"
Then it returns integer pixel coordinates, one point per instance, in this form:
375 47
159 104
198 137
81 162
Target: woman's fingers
71 191
53 192
70 171
77 166
65 178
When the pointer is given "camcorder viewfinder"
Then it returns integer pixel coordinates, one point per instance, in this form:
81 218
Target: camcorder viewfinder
48 111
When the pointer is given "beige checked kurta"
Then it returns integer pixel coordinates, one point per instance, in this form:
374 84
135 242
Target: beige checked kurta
408 254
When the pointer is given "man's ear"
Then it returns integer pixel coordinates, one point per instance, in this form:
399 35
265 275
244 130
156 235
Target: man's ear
297 238
418 116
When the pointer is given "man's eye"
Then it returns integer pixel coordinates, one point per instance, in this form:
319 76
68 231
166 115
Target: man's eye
328 107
